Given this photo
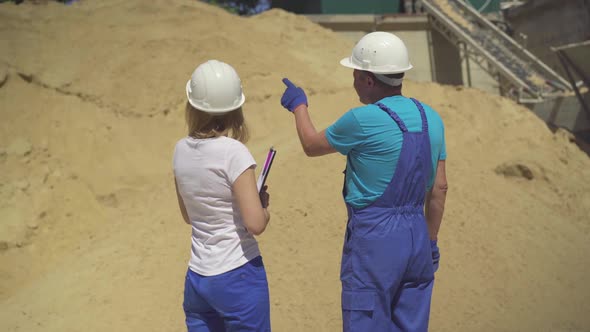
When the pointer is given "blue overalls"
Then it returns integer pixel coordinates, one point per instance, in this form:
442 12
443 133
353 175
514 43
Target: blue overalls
387 273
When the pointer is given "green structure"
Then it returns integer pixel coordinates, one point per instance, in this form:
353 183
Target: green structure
376 7
390 6
486 6
360 7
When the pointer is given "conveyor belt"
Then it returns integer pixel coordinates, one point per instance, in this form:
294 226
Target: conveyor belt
520 73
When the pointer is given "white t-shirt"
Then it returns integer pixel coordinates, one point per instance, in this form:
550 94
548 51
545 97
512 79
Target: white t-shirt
205 170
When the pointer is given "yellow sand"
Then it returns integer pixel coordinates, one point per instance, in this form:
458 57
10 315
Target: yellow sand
90 235
451 11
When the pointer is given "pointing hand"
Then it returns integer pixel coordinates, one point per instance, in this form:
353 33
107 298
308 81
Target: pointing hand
293 96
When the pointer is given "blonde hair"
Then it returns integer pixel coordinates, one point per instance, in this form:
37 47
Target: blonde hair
205 125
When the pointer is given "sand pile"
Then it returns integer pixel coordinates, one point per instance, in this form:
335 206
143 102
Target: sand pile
90 237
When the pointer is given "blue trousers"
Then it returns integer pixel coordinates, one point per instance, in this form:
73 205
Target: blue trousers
236 300
387 276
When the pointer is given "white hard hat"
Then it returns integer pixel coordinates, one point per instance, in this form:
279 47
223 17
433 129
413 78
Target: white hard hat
379 52
215 87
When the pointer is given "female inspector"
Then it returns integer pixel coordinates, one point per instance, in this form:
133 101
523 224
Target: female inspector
226 287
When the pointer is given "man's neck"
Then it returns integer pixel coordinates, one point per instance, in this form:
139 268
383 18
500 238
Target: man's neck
394 91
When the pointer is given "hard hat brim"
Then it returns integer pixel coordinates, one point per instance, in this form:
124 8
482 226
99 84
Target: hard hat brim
209 109
346 62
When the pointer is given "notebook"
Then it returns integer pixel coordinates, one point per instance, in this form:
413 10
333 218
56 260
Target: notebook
266 169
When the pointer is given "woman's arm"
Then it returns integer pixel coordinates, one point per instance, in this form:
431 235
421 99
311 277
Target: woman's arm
181 204
254 215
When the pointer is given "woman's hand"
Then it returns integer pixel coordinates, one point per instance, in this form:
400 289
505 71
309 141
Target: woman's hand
264 197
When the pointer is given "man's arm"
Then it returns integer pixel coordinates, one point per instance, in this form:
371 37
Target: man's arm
181 204
435 201
295 101
314 144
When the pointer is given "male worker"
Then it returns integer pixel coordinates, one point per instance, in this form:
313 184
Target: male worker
395 165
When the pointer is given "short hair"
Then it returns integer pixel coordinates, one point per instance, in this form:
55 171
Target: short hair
206 125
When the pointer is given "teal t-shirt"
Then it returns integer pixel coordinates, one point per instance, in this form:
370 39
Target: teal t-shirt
372 142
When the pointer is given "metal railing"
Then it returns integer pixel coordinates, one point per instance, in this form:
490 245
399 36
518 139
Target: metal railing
520 74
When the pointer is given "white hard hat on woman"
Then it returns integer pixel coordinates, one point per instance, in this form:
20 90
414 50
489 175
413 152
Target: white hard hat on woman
215 88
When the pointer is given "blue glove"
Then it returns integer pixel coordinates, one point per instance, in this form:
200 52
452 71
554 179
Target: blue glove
435 254
293 96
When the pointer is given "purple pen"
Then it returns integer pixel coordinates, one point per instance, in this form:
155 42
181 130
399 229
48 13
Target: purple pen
267 162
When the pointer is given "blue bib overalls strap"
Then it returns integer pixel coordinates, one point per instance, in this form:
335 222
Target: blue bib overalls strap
387 273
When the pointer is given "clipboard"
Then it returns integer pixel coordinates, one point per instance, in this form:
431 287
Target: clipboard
266 169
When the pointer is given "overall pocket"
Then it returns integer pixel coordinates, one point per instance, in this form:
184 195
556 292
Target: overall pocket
357 310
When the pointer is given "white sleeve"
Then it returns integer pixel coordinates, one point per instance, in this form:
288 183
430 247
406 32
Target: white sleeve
175 156
238 159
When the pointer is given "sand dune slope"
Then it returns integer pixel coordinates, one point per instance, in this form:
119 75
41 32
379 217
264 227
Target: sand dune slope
91 104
